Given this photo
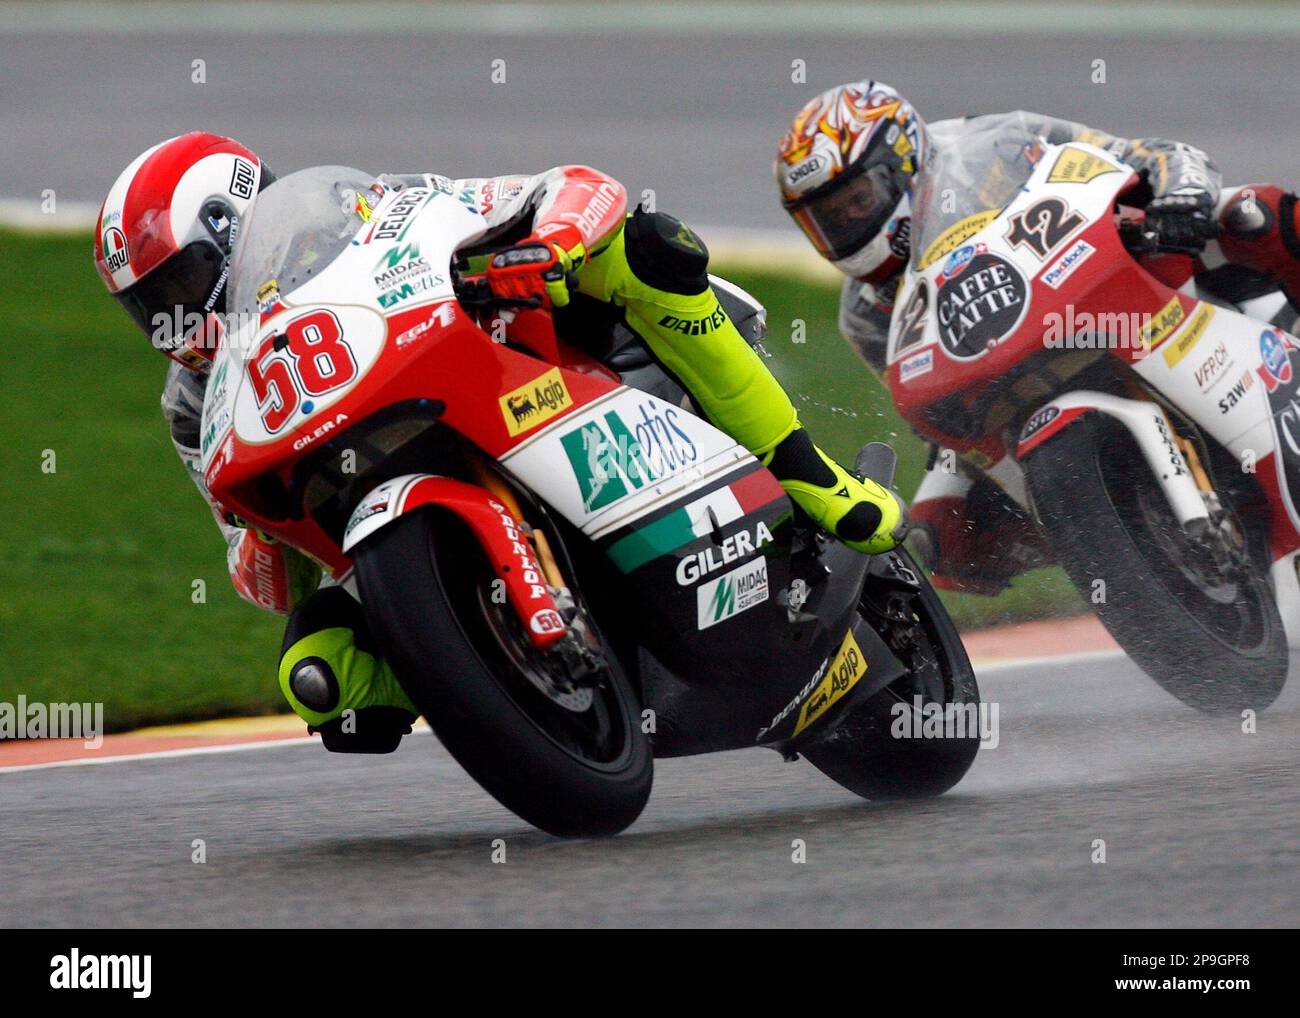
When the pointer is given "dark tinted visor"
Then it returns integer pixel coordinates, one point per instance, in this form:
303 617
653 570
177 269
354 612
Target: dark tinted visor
843 216
185 281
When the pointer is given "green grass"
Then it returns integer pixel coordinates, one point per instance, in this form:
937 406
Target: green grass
99 557
845 406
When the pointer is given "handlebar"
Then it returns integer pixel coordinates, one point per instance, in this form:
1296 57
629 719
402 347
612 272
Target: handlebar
475 294
1138 240
1142 242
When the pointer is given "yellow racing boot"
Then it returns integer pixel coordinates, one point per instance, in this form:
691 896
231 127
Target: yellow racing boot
863 514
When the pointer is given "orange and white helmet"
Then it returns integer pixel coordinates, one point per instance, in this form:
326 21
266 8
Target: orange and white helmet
845 169
165 235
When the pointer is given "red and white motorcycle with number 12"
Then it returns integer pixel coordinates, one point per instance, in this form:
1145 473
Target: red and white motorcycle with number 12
1153 432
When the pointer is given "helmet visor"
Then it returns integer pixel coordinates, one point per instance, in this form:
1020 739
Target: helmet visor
842 217
162 303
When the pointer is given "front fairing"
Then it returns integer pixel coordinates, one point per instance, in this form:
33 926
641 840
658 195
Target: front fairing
309 247
975 172
968 372
944 346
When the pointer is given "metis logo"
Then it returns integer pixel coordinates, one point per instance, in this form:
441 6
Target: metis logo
75 971
732 593
611 461
406 287
116 252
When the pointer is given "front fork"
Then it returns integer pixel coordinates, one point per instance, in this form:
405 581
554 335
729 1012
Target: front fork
578 648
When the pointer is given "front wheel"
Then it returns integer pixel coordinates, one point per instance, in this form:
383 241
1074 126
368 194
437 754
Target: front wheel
918 736
570 758
1204 626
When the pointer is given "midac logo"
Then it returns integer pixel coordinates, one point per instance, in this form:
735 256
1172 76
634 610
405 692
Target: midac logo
723 604
732 593
131 972
393 257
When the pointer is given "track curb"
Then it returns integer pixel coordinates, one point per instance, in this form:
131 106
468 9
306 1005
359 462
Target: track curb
1046 641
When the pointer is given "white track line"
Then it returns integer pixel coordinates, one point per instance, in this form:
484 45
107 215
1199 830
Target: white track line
984 667
164 754
737 248
245 747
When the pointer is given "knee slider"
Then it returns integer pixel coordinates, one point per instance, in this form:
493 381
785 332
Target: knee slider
327 671
1251 213
313 682
1289 223
368 730
665 253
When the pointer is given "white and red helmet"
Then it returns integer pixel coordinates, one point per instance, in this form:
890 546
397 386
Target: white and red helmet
165 235
845 169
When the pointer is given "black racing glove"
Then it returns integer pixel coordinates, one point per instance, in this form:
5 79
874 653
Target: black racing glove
1183 219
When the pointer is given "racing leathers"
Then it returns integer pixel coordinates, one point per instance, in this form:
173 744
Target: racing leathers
967 525
562 230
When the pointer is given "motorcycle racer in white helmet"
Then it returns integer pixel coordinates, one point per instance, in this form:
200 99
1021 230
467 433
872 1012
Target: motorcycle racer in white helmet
165 238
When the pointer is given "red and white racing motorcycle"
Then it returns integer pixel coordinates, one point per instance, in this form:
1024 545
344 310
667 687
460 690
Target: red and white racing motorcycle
1154 435
568 569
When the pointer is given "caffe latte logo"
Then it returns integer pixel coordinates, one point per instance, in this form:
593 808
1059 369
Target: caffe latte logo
980 307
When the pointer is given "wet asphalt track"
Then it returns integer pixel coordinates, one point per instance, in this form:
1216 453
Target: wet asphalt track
1199 820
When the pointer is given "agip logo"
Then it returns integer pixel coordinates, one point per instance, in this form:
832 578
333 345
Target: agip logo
849 666
536 402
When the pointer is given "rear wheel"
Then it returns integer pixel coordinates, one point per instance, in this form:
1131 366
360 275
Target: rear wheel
1199 618
884 749
567 756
